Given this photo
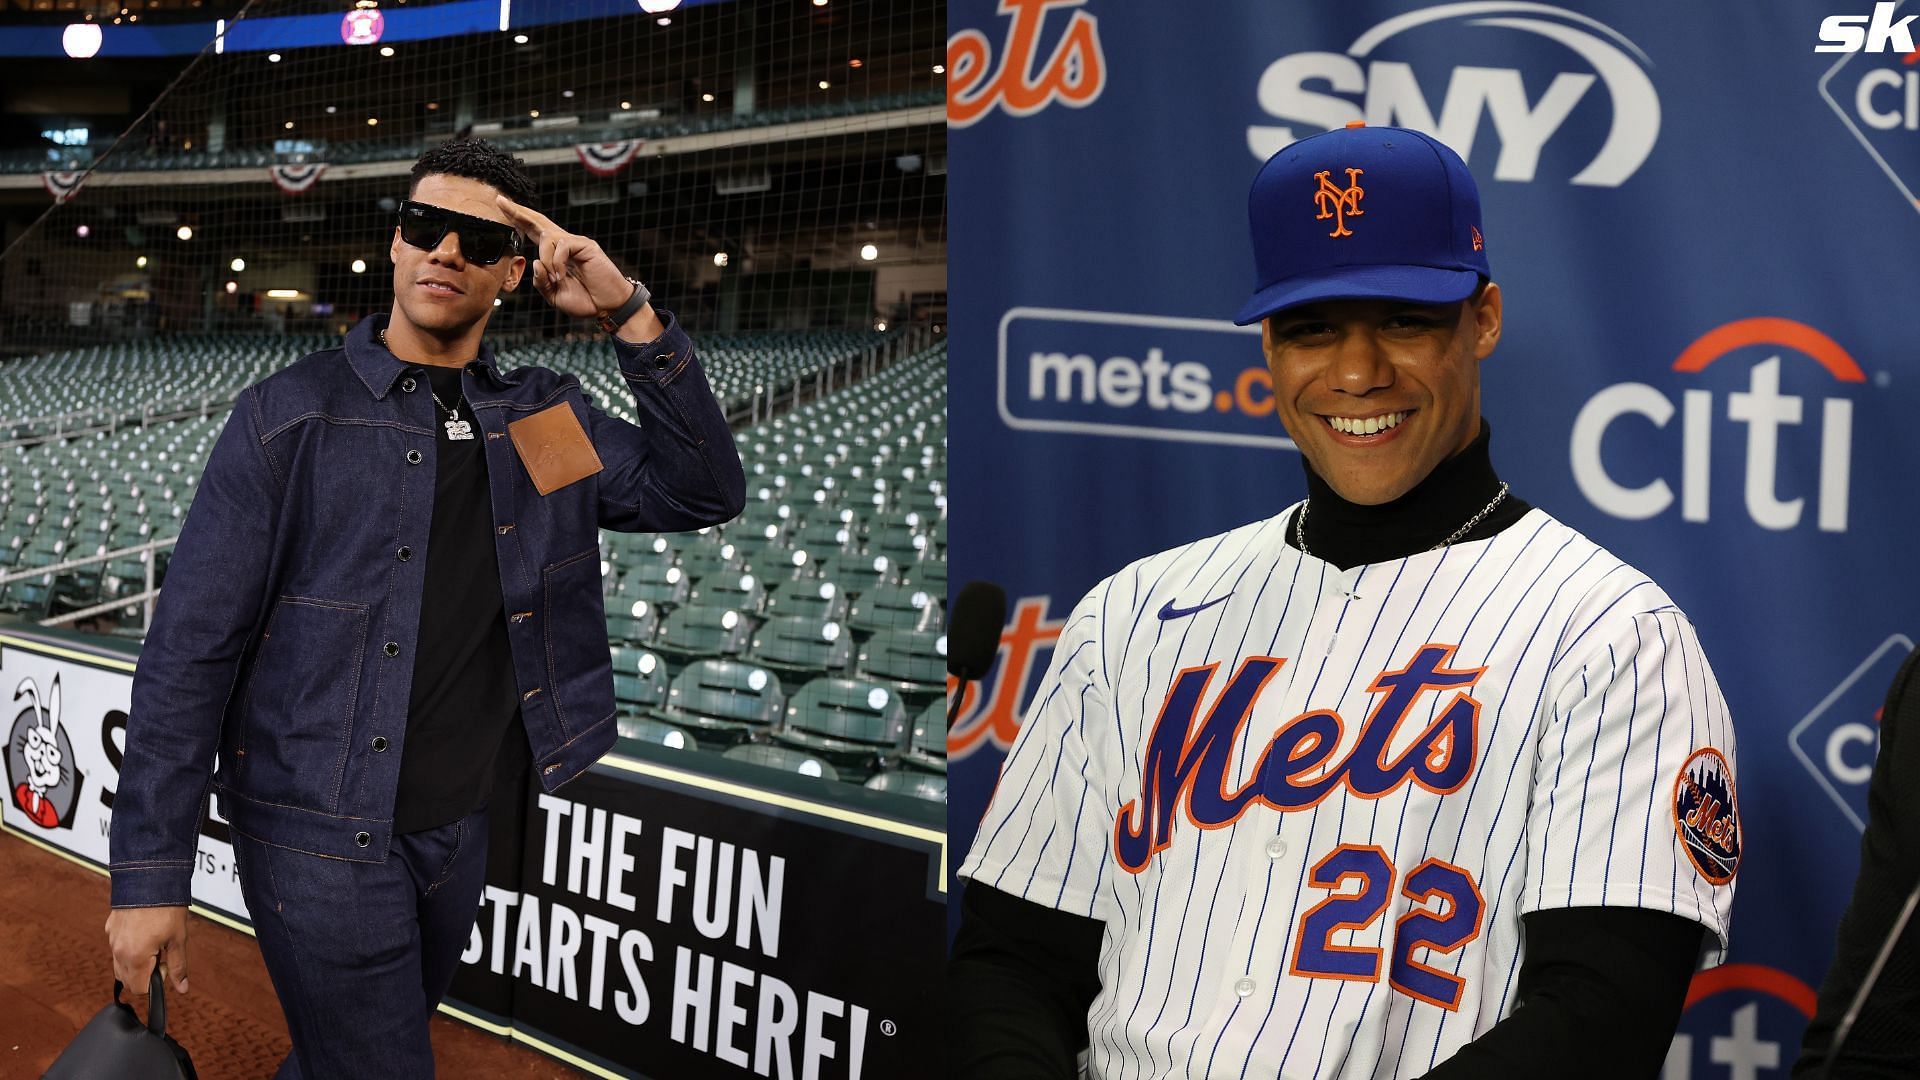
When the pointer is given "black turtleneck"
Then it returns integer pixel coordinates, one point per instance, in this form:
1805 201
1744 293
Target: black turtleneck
1348 534
1600 990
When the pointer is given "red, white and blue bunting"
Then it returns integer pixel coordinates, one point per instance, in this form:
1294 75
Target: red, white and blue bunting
295 179
606 159
62 185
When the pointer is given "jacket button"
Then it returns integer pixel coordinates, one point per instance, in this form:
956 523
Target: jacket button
413 457
362 839
662 363
405 553
393 648
407 384
550 768
379 744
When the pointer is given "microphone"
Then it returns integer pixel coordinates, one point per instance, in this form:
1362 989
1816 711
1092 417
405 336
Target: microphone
973 637
1845 1026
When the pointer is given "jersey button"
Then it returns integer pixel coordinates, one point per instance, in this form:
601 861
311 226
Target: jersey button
1243 988
1276 848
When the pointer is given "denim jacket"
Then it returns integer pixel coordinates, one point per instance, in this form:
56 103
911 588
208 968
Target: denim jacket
284 637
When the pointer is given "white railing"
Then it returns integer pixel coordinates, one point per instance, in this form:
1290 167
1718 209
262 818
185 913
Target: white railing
145 597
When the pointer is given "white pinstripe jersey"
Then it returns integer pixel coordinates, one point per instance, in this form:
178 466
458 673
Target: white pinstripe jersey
1311 805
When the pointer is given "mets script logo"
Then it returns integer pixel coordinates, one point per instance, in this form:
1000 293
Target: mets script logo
1336 202
40 764
1706 816
1073 74
1186 767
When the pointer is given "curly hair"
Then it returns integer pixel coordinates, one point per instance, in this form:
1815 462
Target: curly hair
477 159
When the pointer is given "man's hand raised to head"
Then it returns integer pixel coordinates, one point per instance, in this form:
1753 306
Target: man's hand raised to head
571 271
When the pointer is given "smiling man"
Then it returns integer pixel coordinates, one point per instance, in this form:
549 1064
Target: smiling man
1409 780
387 591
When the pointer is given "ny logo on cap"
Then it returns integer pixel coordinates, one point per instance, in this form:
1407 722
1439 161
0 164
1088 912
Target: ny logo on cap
1337 203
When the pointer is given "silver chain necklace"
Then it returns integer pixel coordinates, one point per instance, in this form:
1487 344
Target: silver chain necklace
456 427
1300 522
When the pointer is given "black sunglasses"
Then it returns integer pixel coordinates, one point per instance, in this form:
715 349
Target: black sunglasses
481 241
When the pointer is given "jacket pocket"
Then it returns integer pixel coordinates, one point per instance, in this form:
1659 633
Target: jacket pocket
297 716
577 657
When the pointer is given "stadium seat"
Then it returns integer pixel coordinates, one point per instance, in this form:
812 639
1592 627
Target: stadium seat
850 722
896 607
784 758
801 645
914 662
919 785
645 730
696 631
725 701
639 680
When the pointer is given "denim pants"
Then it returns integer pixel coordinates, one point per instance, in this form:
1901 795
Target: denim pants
361 953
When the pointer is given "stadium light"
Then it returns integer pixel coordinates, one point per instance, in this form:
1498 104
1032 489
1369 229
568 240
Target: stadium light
854 63
373 121
535 113
824 84
719 258
881 326
331 109
496 301
359 266
655 7
519 39
82 232
706 97
81 40
939 69
273 58
289 125
386 50
237 265
869 252
566 93
184 232
284 294
232 287
626 104
141 262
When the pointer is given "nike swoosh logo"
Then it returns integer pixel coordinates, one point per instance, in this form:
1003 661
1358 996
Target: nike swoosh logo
1168 611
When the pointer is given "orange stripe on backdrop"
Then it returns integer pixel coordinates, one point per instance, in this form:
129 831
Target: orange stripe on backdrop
1766 980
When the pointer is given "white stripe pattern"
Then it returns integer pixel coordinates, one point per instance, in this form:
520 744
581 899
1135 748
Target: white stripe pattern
1375 931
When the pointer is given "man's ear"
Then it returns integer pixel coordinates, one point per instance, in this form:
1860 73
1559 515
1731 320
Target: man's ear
393 246
519 269
1487 316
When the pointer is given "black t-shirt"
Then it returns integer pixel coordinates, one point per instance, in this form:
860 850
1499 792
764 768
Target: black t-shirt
463 717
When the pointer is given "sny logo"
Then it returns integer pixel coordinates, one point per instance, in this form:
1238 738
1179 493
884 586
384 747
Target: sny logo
1862 33
1323 90
1336 202
1190 766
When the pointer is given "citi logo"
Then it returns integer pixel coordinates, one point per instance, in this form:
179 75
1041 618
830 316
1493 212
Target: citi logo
1878 32
1355 86
1762 408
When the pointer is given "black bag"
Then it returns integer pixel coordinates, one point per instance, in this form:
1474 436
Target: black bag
116 1044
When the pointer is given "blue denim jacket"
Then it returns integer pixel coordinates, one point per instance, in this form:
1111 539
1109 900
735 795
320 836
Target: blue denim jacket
284 636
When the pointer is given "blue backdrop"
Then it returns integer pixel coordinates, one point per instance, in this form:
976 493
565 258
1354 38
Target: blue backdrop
1706 232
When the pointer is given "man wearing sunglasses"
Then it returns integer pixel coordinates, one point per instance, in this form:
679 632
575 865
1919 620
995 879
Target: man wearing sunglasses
385 594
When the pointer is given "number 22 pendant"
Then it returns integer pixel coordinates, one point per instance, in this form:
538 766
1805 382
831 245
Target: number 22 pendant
459 429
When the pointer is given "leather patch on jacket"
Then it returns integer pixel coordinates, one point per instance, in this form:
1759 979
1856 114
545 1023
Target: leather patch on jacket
554 448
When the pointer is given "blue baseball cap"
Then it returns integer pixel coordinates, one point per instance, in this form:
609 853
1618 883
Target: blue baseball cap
1363 213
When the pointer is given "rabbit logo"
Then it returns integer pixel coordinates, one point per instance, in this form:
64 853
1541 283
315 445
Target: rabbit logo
41 773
